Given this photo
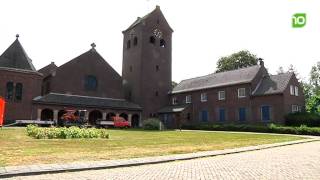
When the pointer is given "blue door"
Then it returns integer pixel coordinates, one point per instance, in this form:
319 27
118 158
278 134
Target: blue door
204 116
222 115
265 113
242 114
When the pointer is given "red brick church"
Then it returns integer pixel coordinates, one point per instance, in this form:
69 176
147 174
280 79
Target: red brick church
88 82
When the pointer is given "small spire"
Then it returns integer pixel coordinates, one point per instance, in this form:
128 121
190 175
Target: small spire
93 45
17 36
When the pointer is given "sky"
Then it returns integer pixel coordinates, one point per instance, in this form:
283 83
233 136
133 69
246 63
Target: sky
204 31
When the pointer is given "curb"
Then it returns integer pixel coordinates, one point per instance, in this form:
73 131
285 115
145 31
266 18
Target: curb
12 171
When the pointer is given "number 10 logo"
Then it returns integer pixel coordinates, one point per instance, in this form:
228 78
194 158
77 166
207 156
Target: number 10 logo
299 20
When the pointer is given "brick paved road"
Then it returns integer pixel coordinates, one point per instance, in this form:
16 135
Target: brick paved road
300 161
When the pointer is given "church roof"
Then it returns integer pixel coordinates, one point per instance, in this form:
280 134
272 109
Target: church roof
273 84
47 70
85 101
141 19
16 57
238 76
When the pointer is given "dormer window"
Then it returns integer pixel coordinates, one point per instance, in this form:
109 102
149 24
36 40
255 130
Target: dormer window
152 40
162 43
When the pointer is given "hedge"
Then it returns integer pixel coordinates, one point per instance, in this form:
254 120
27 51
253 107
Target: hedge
303 118
151 124
65 133
271 128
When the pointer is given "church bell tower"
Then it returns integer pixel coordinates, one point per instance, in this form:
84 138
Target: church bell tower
146 66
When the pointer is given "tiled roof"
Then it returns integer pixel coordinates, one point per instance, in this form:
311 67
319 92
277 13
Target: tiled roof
138 21
85 101
243 75
273 84
173 108
16 57
47 70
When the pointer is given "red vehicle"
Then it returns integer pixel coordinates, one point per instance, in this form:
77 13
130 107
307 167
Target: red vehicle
2 105
120 122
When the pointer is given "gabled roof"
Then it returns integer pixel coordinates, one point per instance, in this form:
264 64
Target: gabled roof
273 84
85 101
47 70
16 57
141 19
92 54
239 76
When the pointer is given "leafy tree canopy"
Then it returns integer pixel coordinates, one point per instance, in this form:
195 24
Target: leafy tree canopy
237 60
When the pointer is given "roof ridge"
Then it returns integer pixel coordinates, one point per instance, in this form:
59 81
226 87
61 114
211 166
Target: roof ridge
220 72
75 95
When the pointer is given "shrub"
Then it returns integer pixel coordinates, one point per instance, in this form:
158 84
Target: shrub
271 128
302 118
65 133
151 124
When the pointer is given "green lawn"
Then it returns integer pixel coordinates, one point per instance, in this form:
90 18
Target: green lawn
16 148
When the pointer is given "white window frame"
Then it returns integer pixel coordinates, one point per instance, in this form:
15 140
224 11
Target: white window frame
294 108
221 97
188 99
296 91
204 97
239 95
174 100
291 90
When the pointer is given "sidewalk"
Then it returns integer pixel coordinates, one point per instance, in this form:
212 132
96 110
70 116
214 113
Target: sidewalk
11 171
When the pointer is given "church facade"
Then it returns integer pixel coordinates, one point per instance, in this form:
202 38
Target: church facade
144 90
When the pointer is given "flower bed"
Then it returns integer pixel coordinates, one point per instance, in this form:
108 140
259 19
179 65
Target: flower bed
65 133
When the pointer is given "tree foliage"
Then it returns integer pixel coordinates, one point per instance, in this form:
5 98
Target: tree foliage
312 90
237 60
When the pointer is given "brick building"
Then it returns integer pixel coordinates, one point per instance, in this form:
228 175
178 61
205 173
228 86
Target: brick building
249 95
88 82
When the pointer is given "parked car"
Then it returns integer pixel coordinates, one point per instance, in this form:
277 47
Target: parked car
120 122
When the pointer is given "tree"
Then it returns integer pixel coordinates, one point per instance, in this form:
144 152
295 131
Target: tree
237 60
315 78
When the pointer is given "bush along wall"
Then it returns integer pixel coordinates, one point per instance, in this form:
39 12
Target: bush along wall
271 128
65 133
303 118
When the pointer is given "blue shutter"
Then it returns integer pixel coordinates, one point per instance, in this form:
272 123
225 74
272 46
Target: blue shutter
265 110
204 116
242 114
222 115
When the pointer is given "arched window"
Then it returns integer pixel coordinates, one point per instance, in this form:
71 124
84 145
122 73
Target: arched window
135 41
91 83
9 93
162 43
18 92
157 68
128 44
152 40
